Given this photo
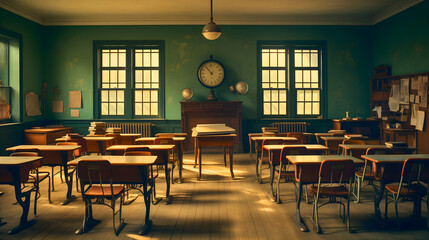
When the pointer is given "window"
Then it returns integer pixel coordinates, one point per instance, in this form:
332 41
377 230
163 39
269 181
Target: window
290 76
130 79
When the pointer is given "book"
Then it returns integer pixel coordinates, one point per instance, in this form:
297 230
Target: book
396 144
349 136
211 129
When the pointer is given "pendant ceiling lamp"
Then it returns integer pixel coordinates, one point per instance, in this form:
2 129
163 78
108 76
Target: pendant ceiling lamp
211 31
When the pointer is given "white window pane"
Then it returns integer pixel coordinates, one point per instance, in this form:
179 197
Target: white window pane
122 85
275 96
138 109
298 76
316 108
121 96
306 85
154 109
267 109
155 85
298 59
113 85
308 96
155 76
306 75
273 59
316 95
282 95
105 59
114 59
154 96
265 59
273 85
282 109
146 76
138 96
146 96
104 109
282 76
112 108
113 76
138 76
265 85
122 59
273 76
146 85
265 76
274 108
307 108
314 76
112 96
282 60
138 59
306 59
282 85
314 85
300 95
267 95
155 59
105 85
104 96
122 77
105 76
139 85
146 60
300 108
120 110
314 60
146 108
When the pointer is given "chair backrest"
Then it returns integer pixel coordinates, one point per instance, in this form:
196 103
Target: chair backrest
142 151
336 170
415 169
272 142
76 153
378 151
30 152
298 135
292 151
95 171
168 135
164 141
354 141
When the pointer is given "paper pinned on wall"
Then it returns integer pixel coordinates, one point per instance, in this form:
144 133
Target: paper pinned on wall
378 110
420 120
424 97
415 83
412 97
414 110
394 98
32 104
57 106
75 99
405 91
74 112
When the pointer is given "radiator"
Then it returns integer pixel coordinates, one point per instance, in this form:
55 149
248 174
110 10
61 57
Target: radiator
285 127
134 127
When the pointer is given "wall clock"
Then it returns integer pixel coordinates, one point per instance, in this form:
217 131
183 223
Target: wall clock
211 74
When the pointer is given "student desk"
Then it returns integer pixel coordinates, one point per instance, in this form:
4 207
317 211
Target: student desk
387 169
14 171
126 170
307 172
101 143
54 155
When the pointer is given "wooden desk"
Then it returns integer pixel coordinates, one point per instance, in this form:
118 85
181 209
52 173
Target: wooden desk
50 158
126 170
226 140
101 143
179 141
395 134
369 127
44 136
387 169
259 139
14 171
129 138
357 150
307 172
251 135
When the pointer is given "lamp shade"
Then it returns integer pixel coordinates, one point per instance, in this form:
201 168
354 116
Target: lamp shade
211 31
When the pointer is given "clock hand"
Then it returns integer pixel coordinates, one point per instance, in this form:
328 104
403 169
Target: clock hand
209 70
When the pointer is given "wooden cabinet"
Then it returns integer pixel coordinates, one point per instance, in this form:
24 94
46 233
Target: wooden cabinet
193 113
366 127
44 136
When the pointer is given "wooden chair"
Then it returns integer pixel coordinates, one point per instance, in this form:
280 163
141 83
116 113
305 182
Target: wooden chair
116 139
97 174
265 159
35 177
415 171
144 151
76 153
333 176
174 155
298 135
351 141
284 169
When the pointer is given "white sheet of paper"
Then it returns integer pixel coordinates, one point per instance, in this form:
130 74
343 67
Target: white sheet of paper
413 118
32 104
424 97
415 83
57 106
412 97
405 91
420 120
394 98
75 99
74 112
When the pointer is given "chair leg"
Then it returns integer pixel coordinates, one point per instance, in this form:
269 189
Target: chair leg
348 214
278 184
316 214
61 174
396 211
386 205
52 177
49 189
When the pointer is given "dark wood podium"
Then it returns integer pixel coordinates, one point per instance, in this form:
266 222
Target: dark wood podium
194 113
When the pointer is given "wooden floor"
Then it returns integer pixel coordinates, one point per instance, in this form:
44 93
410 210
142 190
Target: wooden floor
216 207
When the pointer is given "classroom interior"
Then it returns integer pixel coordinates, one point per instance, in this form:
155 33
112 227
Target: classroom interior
361 61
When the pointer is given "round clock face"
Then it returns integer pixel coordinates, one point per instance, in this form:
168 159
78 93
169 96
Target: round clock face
211 73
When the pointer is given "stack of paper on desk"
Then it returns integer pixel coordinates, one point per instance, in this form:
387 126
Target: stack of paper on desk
211 129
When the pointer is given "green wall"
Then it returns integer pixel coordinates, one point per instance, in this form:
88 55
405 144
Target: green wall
402 41
69 62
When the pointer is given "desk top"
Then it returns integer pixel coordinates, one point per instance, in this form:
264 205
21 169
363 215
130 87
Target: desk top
174 134
212 136
399 130
46 130
151 147
142 139
332 138
393 158
98 138
17 160
308 146
130 134
317 159
119 160
46 147
362 147
261 138
323 134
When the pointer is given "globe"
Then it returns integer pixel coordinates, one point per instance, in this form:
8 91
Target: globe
187 93
241 87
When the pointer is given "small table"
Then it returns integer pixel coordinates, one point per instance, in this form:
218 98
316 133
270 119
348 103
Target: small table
251 135
101 142
50 158
222 140
18 168
259 139
357 150
129 138
392 167
307 167
126 170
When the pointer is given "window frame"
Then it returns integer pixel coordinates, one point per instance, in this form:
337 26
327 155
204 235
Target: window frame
129 103
291 89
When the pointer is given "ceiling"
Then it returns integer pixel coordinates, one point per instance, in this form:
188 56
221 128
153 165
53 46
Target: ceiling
197 12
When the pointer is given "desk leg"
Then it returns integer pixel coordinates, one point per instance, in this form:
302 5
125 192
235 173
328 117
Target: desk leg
180 161
199 162
167 178
378 196
224 155
69 179
195 152
147 222
297 218
250 147
101 147
231 161
88 220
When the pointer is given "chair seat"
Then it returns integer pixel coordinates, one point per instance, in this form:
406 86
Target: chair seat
411 190
42 176
336 191
286 174
97 191
368 175
264 159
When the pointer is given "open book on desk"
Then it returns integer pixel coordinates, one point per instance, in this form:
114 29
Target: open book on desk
211 129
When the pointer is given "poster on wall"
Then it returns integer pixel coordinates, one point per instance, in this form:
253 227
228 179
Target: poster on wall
424 97
405 91
394 98
75 99
32 104
57 106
